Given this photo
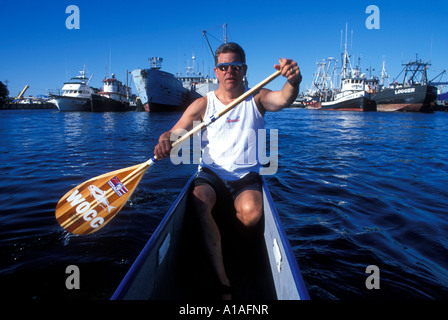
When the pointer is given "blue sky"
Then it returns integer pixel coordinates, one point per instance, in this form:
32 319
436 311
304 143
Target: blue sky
37 49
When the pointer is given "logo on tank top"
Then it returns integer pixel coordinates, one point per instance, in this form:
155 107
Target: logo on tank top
230 120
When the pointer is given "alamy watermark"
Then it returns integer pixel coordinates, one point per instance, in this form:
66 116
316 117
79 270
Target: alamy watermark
258 151
73 280
373 281
373 20
73 20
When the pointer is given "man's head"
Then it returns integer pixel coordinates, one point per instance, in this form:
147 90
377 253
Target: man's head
230 66
230 47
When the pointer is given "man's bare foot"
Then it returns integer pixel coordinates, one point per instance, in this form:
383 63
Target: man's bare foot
226 292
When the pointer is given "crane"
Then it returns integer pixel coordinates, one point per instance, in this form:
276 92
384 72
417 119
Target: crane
23 92
438 83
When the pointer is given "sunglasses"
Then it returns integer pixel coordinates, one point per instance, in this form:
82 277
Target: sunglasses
236 66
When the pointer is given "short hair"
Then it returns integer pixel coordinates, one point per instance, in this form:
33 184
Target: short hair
230 47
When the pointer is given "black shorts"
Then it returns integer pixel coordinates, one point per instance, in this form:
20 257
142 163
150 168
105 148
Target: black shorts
251 181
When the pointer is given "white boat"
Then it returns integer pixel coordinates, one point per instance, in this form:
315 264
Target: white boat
76 94
353 95
114 96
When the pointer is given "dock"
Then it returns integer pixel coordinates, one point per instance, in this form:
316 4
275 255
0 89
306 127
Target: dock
16 106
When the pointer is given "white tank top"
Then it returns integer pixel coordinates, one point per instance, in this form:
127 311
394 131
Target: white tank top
230 144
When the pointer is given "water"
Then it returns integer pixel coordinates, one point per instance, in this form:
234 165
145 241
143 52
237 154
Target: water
352 190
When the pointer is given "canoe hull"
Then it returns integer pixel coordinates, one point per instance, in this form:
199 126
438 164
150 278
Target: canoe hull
172 265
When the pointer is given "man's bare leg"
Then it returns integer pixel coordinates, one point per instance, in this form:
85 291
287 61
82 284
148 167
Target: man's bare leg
204 201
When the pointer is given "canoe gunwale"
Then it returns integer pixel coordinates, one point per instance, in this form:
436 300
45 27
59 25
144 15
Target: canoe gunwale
284 243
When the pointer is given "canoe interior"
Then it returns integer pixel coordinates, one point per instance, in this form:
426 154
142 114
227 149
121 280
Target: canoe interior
173 264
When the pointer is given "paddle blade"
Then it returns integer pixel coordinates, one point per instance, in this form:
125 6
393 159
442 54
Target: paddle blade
91 205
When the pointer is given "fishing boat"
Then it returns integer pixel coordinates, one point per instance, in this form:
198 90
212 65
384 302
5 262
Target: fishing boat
413 94
114 96
159 90
76 94
352 94
172 265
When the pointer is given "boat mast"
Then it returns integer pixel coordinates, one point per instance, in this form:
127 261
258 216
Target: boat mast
347 70
225 32
384 74
416 69
204 33
90 79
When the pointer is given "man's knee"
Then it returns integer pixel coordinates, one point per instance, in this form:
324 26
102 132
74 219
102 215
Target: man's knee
249 208
250 216
204 197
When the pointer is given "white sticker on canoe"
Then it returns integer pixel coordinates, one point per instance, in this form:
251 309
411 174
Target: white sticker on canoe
163 249
277 255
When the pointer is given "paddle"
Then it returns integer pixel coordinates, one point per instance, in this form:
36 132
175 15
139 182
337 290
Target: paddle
91 205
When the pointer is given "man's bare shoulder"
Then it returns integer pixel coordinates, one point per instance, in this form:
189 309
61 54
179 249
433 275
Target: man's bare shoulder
258 96
198 107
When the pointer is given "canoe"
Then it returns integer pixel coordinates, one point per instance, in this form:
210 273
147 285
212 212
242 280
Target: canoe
173 265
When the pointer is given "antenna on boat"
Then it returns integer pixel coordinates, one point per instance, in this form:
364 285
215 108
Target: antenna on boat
90 79
351 41
342 32
225 32
346 26
110 59
384 74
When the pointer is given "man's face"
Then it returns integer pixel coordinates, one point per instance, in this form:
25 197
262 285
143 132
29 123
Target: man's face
230 78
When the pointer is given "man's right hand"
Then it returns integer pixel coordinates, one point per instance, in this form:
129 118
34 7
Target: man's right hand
163 148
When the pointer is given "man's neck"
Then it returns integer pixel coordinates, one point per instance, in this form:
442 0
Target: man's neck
227 96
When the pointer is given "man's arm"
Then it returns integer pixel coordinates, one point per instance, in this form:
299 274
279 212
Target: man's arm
277 100
195 112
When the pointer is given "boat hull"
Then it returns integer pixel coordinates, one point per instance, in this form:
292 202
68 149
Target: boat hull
362 103
414 98
104 104
159 90
173 263
71 103
313 105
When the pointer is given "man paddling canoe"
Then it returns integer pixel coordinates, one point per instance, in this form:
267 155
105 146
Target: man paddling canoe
228 140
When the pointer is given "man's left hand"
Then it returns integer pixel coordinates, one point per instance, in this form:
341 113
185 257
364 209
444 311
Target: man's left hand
290 70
